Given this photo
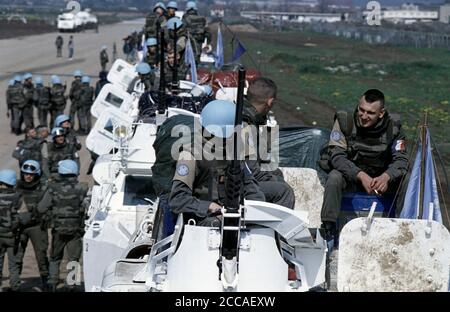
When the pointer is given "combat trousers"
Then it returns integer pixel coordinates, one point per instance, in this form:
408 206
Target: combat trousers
279 193
83 115
16 119
28 116
43 116
55 112
7 247
337 184
60 242
39 240
74 107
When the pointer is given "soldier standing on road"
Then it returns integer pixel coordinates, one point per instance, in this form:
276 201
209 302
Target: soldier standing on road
33 222
67 217
57 150
57 99
104 59
71 47
8 104
10 202
74 95
41 99
29 99
59 44
86 100
64 122
15 98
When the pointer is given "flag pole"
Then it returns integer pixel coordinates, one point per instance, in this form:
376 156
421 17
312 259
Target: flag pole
423 135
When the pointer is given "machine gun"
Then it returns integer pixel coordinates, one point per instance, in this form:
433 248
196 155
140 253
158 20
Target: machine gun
232 216
162 76
175 60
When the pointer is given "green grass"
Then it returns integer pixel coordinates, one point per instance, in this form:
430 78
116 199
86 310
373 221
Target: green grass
413 80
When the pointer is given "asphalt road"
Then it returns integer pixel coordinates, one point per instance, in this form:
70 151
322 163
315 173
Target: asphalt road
37 55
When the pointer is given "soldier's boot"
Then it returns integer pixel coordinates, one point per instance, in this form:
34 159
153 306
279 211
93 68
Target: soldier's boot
17 131
44 281
329 229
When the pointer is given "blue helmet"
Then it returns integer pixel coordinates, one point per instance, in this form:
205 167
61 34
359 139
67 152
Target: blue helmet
8 177
56 80
60 120
143 68
159 5
191 6
104 47
11 82
58 131
18 78
27 76
38 80
172 5
31 167
218 118
151 42
171 23
78 73
67 166
86 79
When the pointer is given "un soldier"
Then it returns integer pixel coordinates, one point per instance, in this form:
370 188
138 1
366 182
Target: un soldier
29 148
182 70
28 88
74 95
153 18
172 7
145 80
198 186
104 59
59 44
67 216
42 100
16 102
10 202
152 57
196 28
64 122
366 153
175 25
32 222
102 80
86 100
8 104
261 95
57 99
57 150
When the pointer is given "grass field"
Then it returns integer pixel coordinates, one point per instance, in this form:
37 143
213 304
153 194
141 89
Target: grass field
318 74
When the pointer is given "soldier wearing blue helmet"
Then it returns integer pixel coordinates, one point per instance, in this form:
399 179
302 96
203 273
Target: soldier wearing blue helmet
65 122
67 215
27 111
33 218
172 7
179 182
16 101
74 94
57 98
10 203
41 99
86 101
104 59
152 57
155 20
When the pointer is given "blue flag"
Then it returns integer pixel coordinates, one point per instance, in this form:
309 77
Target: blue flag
189 59
219 50
240 49
411 205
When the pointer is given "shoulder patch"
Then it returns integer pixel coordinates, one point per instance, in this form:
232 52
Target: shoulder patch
335 135
182 170
400 145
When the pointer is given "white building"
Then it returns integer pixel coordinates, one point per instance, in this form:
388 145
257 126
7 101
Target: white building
294 17
407 14
444 13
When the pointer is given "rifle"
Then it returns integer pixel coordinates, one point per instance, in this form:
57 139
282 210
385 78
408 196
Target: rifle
17 234
162 77
231 221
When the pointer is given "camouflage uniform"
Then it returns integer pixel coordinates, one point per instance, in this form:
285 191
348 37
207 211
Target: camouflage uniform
28 149
74 96
104 59
197 30
32 222
66 221
58 102
41 99
86 100
10 202
15 98
28 109
53 153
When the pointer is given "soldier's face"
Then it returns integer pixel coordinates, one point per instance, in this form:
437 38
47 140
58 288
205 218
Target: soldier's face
28 177
32 133
369 113
171 12
59 139
65 124
43 133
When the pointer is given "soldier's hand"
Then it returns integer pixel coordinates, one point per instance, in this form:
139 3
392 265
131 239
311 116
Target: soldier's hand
214 208
380 184
366 181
